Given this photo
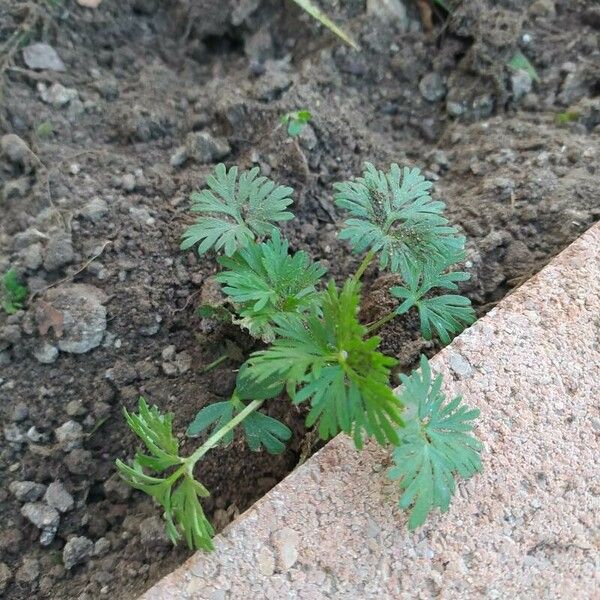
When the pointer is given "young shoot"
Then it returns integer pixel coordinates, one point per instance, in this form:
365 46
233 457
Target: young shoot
12 293
316 351
296 121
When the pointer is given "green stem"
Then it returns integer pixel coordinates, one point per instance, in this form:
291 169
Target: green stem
215 363
366 261
380 322
214 439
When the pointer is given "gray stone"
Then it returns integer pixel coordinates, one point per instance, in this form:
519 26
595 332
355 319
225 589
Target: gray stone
57 497
84 316
169 369
75 408
95 210
79 462
101 546
45 353
44 517
69 435
57 95
204 148
543 8
27 491
58 251
35 436
179 157
152 532
455 109
16 188
308 137
108 88
459 364
5 576
29 571
141 215
77 550
20 412
128 182
32 256
41 56
15 149
432 87
13 434
168 352
389 9
521 84
183 362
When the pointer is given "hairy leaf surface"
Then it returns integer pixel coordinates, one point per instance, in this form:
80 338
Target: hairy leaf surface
265 281
234 211
393 214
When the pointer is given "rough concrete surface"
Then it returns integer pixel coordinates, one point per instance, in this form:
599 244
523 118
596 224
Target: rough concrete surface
526 528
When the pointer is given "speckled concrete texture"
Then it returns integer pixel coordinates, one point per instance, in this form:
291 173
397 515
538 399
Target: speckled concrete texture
526 528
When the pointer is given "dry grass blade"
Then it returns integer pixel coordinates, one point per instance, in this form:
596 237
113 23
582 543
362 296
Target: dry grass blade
318 14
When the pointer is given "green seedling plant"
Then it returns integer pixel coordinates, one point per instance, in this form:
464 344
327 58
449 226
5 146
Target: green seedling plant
314 348
12 293
296 121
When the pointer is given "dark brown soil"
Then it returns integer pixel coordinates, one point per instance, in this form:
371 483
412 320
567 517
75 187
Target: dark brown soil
147 74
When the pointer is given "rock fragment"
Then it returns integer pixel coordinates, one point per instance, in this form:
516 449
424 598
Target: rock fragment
57 497
285 541
15 149
77 550
57 95
432 87
27 491
45 353
84 316
44 517
59 251
69 435
204 148
42 57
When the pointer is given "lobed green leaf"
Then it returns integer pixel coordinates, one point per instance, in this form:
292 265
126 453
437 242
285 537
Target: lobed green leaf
326 360
394 215
235 210
264 281
435 444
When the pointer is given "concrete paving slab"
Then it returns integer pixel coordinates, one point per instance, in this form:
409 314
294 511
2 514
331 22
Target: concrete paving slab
528 527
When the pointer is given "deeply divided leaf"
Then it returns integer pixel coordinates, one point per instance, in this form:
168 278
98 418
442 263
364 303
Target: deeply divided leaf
435 445
394 215
264 281
177 492
447 314
234 211
327 361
